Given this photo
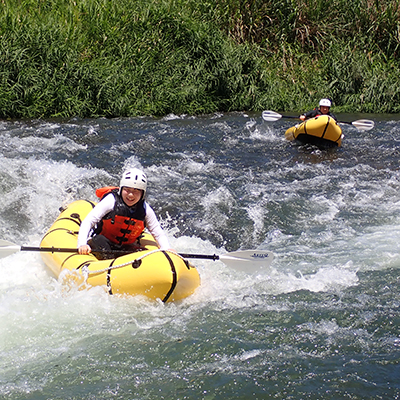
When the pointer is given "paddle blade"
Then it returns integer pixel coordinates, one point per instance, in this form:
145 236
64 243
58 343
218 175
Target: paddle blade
363 124
248 260
8 248
271 116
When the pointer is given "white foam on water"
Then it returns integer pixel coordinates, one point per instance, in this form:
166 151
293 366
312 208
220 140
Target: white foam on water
325 225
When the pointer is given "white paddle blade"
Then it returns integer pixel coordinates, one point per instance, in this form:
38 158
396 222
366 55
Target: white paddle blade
271 116
363 124
248 260
8 248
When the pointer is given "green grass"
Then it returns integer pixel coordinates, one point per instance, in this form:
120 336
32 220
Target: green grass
87 58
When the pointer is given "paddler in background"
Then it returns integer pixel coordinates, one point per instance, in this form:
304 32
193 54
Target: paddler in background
323 109
119 219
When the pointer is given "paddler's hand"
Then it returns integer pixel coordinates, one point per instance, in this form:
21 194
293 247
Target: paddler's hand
302 117
85 249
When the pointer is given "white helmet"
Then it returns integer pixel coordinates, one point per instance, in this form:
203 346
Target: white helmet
325 102
134 178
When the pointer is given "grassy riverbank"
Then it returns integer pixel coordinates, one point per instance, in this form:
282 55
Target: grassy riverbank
141 57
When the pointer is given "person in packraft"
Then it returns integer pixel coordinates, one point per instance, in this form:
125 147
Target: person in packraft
324 108
119 219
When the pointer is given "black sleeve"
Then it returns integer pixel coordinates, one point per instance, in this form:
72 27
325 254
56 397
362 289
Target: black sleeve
311 114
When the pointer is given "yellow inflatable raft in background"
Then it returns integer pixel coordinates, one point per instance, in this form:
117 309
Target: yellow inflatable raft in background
321 131
153 273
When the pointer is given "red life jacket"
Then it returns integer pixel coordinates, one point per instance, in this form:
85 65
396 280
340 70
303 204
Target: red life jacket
123 224
319 113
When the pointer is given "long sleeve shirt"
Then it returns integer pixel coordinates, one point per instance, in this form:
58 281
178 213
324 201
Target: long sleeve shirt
105 206
317 111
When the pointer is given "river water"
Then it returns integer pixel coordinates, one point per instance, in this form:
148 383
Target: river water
321 323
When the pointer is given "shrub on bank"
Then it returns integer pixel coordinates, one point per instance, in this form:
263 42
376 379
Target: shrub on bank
63 58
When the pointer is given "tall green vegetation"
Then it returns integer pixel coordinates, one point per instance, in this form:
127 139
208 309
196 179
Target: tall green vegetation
63 58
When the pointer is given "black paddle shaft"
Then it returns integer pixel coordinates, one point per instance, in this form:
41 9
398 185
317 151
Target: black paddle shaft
71 250
206 257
